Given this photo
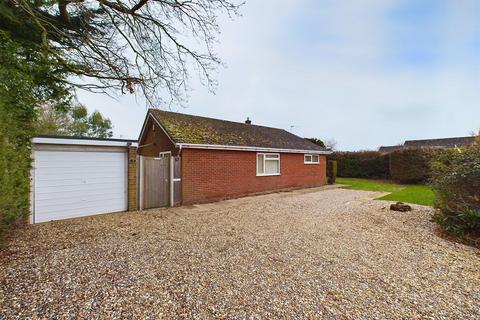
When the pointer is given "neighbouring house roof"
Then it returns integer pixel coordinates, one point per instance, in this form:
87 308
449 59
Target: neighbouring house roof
439 143
387 149
187 129
430 143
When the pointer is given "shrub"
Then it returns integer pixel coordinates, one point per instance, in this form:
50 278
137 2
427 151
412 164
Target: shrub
28 78
14 158
362 164
331 171
410 165
456 181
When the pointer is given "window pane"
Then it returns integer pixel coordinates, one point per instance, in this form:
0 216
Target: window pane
315 158
271 156
260 168
308 158
272 166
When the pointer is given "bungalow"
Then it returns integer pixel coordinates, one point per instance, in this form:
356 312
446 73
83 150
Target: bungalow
179 159
214 159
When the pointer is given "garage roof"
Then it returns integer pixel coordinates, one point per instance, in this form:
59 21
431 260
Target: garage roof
84 141
196 130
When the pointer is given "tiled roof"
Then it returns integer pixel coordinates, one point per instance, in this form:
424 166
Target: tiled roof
189 129
430 143
439 143
387 149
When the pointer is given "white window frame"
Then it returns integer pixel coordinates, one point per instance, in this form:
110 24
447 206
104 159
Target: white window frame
265 159
311 157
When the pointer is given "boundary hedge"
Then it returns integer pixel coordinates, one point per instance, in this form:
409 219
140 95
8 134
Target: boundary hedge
362 164
411 165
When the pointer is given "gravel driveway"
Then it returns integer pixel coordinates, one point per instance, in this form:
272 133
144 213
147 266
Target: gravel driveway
305 254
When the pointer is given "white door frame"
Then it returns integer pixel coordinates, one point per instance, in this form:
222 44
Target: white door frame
170 179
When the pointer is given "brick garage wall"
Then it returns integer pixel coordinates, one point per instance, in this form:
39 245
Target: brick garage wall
217 174
132 179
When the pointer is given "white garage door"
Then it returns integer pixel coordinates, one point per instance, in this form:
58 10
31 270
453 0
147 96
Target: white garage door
78 183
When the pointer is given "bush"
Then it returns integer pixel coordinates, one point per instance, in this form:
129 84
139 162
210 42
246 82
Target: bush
28 78
15 135
456 181
331 171
362 164
410 165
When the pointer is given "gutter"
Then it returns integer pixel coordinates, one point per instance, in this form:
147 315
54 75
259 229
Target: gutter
243 148
84 142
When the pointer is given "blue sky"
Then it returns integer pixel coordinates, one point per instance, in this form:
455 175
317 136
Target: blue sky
365 73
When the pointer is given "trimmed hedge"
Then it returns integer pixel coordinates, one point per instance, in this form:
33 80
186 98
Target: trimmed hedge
362 164
411 165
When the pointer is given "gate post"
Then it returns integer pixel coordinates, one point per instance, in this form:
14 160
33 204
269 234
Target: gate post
171 189
141 176
132 179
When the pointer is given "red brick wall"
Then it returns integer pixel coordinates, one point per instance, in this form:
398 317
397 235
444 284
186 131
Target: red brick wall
217 174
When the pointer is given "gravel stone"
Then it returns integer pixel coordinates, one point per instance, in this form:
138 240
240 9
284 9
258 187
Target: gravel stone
313 253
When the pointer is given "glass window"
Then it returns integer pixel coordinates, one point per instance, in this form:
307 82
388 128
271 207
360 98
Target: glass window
311 159
260 164
271 156
268 164
272 167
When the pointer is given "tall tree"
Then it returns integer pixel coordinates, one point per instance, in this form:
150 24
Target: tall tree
73 121
26 78
317 141
149 45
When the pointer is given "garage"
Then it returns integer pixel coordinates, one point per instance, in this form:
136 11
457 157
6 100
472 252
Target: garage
78 177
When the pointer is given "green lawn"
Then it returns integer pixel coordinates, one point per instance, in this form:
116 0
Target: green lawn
414 193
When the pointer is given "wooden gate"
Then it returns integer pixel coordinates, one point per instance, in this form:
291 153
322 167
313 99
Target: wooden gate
155 191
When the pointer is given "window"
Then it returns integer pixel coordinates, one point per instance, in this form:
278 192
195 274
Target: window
268 164
311 159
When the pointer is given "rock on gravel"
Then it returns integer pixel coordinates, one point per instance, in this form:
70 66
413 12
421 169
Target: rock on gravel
400 206
304 254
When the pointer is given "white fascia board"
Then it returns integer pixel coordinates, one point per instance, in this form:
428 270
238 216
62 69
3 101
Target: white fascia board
84 142
243 148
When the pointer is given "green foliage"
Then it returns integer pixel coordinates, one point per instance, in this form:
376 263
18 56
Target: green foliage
410 165
459 223
456 180
73 121
331 171
26 78
418 194
362 164
318 142
99 126
51 120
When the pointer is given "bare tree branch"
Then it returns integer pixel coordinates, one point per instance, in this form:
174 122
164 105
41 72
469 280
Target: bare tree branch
147 46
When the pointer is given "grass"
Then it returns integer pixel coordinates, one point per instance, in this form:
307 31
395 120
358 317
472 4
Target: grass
418 194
